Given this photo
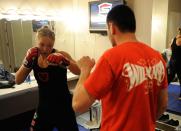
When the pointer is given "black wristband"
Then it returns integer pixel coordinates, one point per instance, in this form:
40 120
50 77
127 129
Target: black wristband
27 64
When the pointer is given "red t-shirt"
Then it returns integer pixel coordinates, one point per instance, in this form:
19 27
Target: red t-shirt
127 79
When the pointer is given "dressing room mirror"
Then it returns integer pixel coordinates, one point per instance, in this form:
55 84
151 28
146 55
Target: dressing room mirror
18 25
16 37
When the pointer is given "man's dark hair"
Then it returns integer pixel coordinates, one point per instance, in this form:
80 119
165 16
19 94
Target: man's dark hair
123 17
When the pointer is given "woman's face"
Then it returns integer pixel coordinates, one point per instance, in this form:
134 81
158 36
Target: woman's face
45 45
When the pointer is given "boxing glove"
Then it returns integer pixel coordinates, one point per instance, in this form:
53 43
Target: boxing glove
57 59
31 54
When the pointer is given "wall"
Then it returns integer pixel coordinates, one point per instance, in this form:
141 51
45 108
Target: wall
174 19
174 5
73 34
34 4
143 14
84 43
159 24
92 44
157 21
0 56
1 61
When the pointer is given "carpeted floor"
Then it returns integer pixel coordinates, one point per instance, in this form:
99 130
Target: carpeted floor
174 104
80 129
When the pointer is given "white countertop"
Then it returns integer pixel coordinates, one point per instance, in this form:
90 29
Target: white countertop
28 86
22 98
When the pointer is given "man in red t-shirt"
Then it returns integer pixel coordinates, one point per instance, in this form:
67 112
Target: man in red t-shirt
129 79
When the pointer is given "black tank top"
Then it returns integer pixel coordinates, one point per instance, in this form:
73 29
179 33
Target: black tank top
52 84
176 53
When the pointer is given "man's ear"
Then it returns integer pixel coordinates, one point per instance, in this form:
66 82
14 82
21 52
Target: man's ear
111 28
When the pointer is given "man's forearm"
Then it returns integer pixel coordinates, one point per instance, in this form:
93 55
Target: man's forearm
83 76
162 102
81 99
